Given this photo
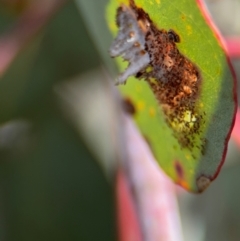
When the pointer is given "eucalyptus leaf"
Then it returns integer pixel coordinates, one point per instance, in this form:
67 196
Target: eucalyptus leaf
194 157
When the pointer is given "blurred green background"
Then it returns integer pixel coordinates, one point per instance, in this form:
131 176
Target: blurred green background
51 186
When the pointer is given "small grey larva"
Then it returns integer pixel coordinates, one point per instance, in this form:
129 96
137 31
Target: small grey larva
130 43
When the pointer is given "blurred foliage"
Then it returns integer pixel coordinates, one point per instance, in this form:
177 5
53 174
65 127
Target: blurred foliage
63 51
14 7
6 19
51 186
93 13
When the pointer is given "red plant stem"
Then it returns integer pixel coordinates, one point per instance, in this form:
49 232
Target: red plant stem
154 193
27 26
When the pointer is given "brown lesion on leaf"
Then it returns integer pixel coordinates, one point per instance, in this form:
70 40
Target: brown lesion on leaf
183 17
128 106
174 79
173 36
180 178
179 170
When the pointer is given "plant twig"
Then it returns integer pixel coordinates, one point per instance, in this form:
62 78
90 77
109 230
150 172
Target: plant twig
154 192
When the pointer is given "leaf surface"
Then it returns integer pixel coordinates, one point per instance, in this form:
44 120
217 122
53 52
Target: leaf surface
195 165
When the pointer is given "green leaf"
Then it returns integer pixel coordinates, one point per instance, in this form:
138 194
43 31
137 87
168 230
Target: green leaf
190 154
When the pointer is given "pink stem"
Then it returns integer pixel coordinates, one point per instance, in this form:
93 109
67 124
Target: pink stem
154 192
128 225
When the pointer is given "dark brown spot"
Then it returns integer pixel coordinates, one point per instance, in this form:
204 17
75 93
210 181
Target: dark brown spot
128 106
179 170
138 75
183 17
173 36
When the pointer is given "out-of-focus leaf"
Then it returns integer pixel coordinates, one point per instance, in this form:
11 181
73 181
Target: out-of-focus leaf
193 168
93 13
5 21
13 83
51 188
54 190
62 51
14 6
